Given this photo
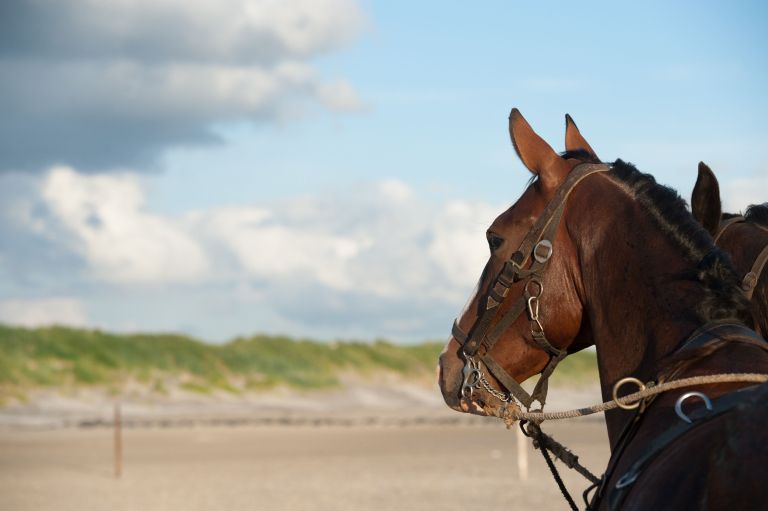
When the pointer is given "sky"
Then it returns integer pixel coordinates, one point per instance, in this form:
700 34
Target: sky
327 168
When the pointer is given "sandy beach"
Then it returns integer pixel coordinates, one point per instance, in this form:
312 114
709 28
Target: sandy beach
414 467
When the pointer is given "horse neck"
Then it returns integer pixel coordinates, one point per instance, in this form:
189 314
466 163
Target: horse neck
638 305
744 241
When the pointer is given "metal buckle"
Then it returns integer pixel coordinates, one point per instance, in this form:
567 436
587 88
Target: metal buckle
681 399
749 282
546 246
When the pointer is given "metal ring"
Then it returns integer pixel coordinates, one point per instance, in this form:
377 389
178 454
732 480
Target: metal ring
681 399
619 384
538 283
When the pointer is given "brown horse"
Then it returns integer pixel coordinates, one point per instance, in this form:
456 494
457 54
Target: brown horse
745 238
601 254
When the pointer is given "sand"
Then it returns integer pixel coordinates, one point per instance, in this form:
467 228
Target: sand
432 466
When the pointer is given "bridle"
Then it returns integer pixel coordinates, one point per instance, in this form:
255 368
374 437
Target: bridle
536 248
749 282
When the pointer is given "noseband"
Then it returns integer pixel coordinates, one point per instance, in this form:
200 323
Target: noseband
536 249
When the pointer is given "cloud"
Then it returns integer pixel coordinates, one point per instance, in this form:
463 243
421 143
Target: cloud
43 312
113 84
267 249
249 31
102 218
375 260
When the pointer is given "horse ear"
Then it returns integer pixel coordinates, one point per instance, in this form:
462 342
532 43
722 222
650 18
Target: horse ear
705 200
573 139
535 153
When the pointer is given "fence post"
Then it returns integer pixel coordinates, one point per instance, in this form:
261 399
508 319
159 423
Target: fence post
118 442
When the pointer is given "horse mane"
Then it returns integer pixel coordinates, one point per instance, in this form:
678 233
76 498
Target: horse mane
723 298
757 214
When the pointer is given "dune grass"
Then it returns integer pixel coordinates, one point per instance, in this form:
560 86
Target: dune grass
60 357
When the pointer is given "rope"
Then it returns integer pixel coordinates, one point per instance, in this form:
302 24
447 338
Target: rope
510 414
540 443
545 441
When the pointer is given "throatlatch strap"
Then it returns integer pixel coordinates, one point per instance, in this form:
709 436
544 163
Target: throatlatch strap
725 225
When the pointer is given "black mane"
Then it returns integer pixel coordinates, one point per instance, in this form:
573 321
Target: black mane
723 296
757 214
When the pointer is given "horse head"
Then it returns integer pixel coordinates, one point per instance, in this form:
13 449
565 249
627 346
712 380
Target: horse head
529 295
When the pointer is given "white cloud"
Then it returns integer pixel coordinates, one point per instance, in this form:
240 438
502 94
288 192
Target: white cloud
268 249
381 240
377 259
105 84
43 312
103 219
260 31
458 246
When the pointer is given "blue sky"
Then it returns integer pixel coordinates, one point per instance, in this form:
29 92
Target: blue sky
184 173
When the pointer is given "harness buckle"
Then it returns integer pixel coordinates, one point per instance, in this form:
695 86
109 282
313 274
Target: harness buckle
542 251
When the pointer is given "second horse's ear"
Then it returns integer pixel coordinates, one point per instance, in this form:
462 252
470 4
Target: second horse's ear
573 139
705 200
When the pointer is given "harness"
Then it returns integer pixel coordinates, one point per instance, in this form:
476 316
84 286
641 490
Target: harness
702 342
749 282
536 249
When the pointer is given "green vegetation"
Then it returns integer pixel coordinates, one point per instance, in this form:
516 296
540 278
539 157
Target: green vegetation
69 358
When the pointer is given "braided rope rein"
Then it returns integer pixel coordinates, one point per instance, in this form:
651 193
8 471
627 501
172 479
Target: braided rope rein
512 414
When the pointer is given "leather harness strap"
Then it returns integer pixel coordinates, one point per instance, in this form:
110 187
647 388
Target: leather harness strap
755 394
536 247
714 333
749 282
750 279
725 224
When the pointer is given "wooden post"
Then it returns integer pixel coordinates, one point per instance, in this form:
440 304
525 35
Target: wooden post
118 442
522 455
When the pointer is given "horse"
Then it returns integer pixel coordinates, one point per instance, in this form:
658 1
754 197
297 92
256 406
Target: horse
598 254
744 237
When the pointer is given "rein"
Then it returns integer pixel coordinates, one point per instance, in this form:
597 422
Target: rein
701 343
536 248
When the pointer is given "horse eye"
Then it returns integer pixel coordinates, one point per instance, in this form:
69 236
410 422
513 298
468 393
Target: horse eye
494 242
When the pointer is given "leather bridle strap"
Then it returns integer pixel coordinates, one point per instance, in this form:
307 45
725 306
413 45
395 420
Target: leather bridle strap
491 324
749 282
724 225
